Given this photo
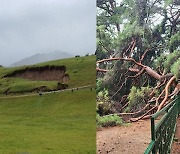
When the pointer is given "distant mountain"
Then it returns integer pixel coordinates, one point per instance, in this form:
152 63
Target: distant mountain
42 57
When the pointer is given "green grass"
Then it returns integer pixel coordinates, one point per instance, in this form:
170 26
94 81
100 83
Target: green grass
60 123
108 120
81 71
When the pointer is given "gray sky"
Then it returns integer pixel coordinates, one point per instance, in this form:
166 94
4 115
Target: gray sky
28 27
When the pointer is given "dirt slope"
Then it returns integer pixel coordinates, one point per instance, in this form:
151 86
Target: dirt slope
44 73
132 139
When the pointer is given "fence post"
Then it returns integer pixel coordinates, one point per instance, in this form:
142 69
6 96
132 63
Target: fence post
178 101
153 135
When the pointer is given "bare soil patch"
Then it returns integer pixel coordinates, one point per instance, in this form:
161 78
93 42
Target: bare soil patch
44 73
130 139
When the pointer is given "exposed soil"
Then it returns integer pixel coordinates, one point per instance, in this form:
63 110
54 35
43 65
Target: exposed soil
176 144
132 139
44 73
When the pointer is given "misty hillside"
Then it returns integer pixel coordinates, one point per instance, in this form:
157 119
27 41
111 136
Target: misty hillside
79 71
42 57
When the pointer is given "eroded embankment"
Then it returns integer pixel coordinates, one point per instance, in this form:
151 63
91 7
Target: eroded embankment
44 73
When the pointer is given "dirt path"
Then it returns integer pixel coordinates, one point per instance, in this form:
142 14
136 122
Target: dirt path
56 91
176 144
132 139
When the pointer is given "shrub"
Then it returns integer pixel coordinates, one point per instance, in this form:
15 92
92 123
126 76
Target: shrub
137 98
103 108
61 86
108 120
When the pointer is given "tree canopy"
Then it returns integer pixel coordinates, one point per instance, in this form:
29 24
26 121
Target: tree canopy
138 57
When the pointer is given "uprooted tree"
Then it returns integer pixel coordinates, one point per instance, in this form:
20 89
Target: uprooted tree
138 57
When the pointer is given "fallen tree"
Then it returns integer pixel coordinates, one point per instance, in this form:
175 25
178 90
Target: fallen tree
138 59
161 100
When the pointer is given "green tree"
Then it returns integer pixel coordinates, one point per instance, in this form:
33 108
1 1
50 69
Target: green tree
137 45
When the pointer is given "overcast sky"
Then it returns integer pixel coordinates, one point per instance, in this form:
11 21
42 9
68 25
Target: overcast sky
28 27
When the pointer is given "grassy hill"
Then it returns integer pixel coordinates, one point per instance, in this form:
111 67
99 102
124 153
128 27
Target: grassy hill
55 123
60 123
81 71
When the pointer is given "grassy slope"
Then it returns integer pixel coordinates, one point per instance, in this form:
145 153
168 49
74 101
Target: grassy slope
81 70
50 124
54 123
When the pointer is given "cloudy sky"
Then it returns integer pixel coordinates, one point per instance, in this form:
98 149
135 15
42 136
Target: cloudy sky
28 27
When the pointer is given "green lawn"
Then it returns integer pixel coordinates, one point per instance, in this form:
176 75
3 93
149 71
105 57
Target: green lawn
60 123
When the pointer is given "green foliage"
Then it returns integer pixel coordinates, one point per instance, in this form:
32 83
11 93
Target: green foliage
137 98
132 29
99 82
103 95
159 61
103 107
175 68
103 104
105 41
127 109
167 2
169 62
142 25
108 120
171 59
174 41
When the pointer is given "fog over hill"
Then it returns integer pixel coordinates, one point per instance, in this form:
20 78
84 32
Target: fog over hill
32 26
42 57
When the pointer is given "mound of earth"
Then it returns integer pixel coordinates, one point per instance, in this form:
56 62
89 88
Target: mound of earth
44 73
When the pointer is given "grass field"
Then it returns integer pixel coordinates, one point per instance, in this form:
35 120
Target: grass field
81 71
60 123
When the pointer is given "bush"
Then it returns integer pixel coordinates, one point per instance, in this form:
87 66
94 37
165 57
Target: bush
137 98
103 105
61 86
103 108
108 120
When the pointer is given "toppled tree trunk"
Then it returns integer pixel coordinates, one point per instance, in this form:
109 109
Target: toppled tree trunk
152 73
166 93
139 69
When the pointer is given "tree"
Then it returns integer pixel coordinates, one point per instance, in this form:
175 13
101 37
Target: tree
138 46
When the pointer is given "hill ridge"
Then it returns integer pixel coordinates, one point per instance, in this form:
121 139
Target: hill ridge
42 57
